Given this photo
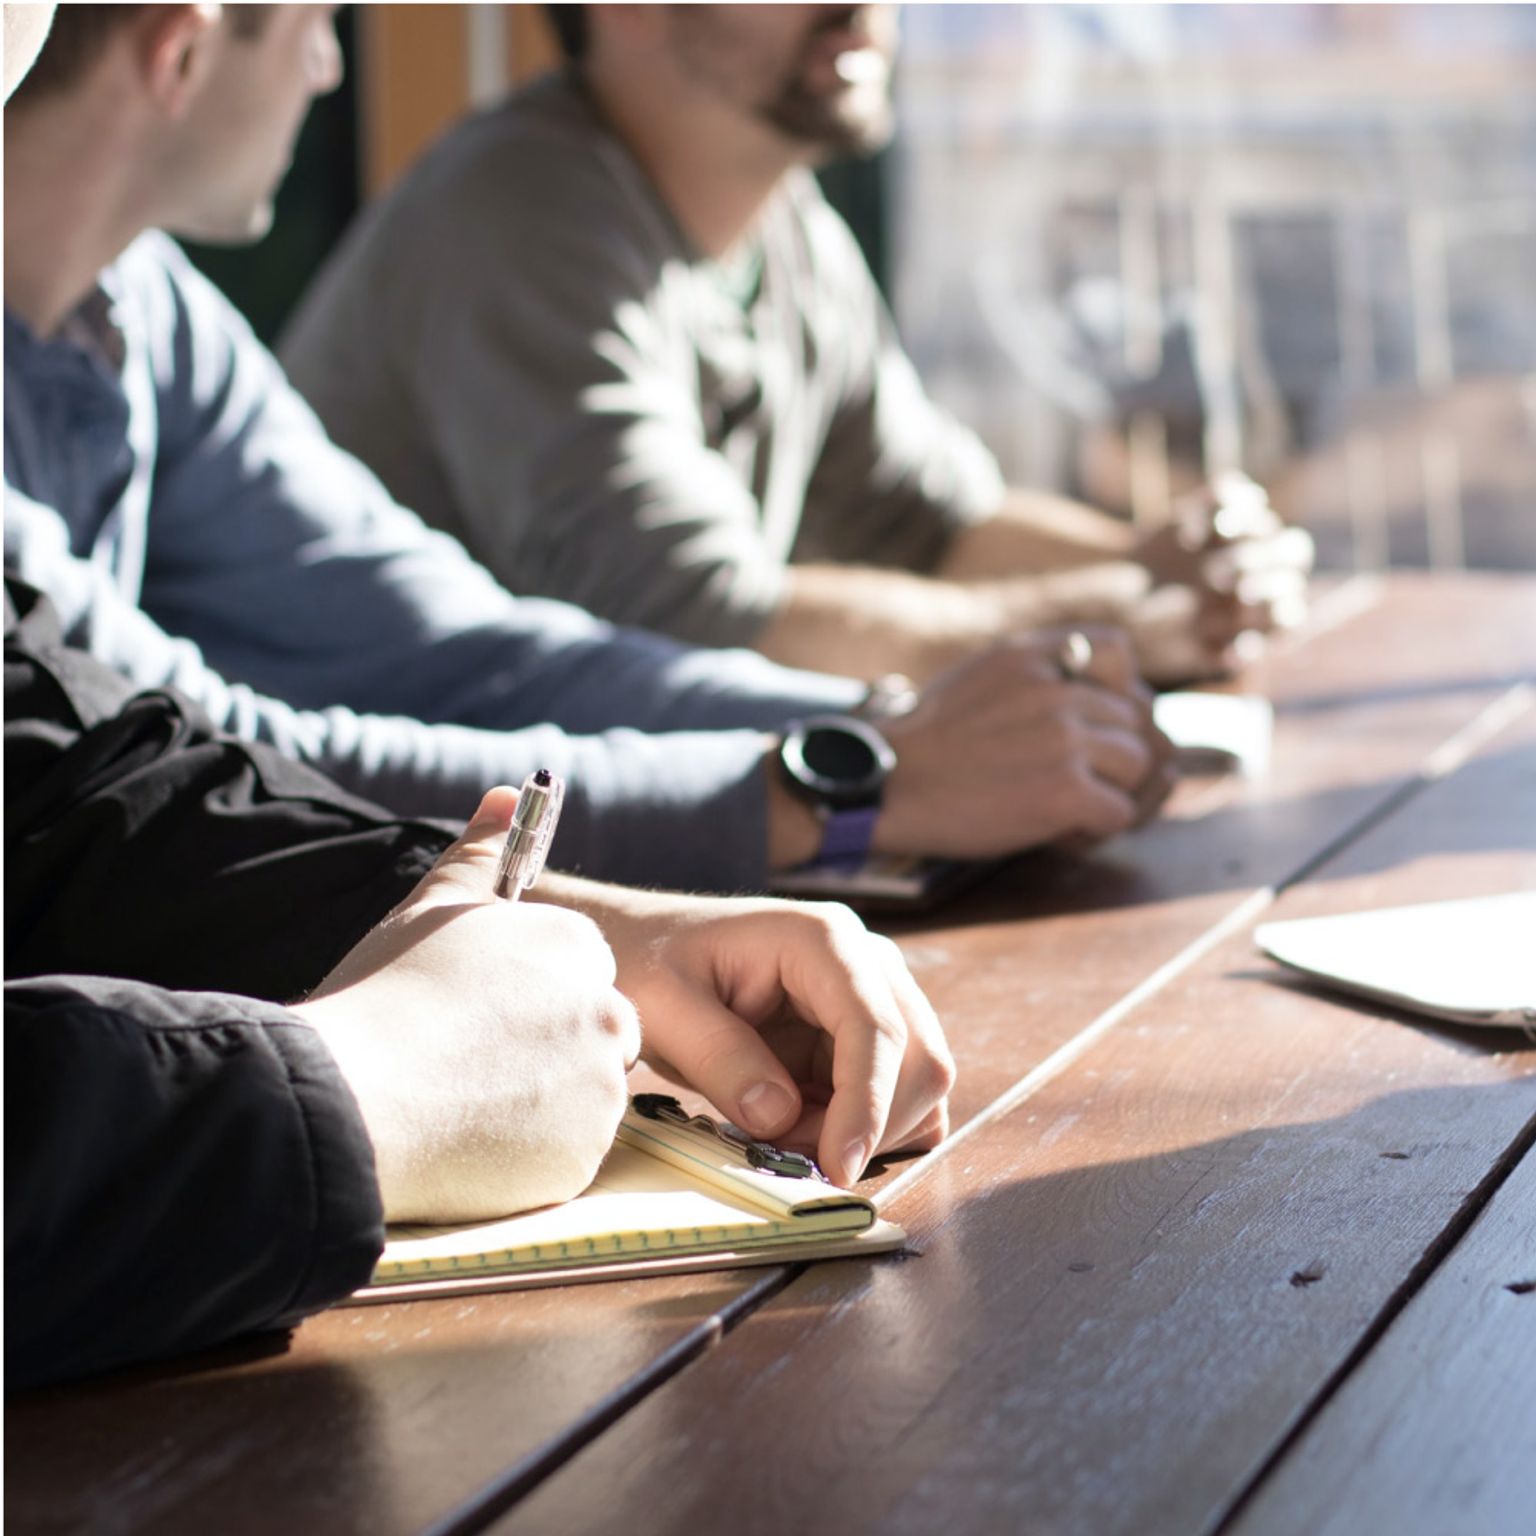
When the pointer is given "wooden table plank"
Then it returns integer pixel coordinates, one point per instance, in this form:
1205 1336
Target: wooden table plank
1359 709
1136 1283
374 1419
1436 1431
391 1419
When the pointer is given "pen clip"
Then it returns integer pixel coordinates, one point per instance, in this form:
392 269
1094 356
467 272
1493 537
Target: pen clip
544 831
531 833
759 1154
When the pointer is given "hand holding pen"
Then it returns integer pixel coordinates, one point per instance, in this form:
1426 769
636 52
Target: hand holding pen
484 1041
531 833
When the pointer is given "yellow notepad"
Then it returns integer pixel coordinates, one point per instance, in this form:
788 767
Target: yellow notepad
667 1198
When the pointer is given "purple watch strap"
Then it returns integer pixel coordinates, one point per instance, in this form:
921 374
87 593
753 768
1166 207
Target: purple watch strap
846 838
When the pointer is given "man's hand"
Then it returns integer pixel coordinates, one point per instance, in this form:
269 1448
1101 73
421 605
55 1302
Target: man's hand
791 1018
1226 567
1004 752
483 1039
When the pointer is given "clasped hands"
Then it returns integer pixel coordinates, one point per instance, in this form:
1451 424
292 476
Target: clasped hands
487 1042
1224 573
1196 595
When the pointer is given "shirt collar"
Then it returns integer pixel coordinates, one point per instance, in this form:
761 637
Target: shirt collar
92 327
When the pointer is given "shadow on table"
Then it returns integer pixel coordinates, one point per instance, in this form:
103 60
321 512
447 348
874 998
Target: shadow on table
1377 693
1170 1256
1253 843
1465 1039
1110 1347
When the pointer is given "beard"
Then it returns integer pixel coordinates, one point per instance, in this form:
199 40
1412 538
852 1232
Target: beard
855 121
807 100
834 127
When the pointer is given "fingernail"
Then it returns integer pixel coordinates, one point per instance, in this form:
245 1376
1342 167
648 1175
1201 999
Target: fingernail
765 1108
856 1158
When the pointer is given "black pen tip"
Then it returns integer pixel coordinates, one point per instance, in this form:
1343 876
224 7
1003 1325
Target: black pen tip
543 778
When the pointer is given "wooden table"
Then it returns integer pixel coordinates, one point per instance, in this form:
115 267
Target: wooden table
1211 1250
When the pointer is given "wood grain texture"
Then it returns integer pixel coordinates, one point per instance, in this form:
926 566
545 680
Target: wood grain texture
1022 965
391 1420
1138 1282
371 1420
1435 1432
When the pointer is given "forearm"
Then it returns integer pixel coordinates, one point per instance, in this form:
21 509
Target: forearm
869 622
1034 532
866 622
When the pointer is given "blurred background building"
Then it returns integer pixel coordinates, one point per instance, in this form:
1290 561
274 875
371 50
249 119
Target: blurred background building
1136 245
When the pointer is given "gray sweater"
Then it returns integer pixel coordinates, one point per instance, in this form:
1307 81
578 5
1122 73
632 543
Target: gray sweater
522 344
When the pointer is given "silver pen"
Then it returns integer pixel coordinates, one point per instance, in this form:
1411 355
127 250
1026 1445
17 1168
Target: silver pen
531 833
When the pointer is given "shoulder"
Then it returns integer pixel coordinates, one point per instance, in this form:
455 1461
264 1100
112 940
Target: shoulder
820 237
535 177
154 270
181 316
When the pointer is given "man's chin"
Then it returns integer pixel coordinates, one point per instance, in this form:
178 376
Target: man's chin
232 227
827 129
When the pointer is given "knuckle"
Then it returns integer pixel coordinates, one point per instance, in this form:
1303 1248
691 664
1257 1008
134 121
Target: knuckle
621 1021
935 1074
948 1070
890 1027
839 923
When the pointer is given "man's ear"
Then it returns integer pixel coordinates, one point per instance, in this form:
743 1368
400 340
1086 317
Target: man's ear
175 48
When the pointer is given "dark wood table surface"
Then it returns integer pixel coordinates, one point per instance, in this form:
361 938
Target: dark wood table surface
1211 1251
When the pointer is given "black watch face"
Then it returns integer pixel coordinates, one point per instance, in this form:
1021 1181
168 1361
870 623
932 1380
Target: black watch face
841 763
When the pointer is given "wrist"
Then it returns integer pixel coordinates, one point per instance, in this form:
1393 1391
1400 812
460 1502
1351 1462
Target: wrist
794 829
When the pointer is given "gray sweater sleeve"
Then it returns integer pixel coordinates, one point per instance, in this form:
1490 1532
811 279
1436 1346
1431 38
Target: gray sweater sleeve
683 807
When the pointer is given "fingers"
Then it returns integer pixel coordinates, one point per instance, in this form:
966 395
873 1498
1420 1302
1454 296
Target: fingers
726 1059
1123 751
1274 548
890 1066
1111 659
467 866
492 816
623 1022
919 1114
1260 604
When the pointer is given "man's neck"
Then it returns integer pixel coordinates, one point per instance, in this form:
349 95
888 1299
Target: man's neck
68 212
715 177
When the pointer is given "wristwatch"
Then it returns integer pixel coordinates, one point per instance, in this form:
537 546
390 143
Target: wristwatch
838 765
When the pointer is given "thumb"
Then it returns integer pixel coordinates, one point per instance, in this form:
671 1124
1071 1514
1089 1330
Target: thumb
468 865
492 816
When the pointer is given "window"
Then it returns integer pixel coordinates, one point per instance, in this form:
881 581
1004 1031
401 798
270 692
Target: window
1135 245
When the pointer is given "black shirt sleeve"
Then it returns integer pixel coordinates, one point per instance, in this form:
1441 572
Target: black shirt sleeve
142 843
184 1162
179 1168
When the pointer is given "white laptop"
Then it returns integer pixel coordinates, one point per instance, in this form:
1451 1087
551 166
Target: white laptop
1470 961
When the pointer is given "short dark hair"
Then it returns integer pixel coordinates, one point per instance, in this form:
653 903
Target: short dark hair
75 41
569 24
80 33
